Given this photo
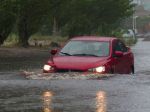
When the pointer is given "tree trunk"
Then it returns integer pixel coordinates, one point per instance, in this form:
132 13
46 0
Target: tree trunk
23 33
2 39
23 40
4 34
55 27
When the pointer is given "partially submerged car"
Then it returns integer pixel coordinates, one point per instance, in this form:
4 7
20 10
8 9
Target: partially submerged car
91 54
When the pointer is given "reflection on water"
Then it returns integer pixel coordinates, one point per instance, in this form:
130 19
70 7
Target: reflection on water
101 101
101 105
47 101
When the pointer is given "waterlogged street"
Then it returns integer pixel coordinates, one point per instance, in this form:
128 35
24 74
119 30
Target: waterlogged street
119 93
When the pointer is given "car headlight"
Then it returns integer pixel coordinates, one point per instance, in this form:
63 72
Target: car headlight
47 67
99 69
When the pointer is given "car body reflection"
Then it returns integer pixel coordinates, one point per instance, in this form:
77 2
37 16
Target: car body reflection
101 101
47 101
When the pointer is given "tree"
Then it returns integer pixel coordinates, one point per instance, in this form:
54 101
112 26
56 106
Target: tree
58 14
96 16
31 16
7 19
68 17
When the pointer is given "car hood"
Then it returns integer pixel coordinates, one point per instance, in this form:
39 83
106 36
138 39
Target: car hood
78 63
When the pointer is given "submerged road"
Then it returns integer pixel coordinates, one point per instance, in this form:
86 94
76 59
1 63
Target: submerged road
121 93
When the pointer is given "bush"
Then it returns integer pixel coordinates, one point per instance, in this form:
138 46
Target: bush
129 41
12 40
54 44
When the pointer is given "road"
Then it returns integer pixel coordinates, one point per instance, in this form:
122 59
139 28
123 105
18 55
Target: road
120 93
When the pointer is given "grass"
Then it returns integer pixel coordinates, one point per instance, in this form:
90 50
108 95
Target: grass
48 39
13 40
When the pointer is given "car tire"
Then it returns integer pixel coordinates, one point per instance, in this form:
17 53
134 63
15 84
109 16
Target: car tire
111 71
132 69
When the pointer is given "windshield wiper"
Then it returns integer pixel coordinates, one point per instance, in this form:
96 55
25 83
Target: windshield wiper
85 55
66 53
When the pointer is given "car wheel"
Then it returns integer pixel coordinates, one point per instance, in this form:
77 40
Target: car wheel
111 71
132 69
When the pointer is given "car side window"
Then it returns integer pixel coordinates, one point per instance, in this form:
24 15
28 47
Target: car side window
123 47
120 47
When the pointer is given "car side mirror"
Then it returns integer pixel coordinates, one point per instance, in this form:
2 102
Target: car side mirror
118 53
53 51
128 48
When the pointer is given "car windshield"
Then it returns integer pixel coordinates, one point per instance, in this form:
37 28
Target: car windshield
86 48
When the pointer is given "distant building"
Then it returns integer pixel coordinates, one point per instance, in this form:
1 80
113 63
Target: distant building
147 6
138 2
140 11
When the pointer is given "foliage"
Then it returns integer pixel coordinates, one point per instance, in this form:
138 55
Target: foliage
96 16
31 16
11 41
65 17
130 41
7 19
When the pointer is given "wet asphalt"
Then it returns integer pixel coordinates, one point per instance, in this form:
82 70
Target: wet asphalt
120 93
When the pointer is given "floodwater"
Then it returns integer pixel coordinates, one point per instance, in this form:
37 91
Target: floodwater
22 59
119 93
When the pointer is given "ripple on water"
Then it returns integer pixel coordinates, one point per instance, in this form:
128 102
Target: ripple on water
61 76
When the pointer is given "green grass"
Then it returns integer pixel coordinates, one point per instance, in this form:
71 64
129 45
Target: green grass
13 39
48 38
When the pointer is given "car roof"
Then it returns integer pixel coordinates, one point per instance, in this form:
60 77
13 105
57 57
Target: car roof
94 38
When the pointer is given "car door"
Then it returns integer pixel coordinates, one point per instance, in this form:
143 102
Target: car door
121 63
126 59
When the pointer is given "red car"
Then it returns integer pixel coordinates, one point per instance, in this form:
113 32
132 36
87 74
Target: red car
92 54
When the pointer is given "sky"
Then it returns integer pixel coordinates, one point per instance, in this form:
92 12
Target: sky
141 1
146 0
146 3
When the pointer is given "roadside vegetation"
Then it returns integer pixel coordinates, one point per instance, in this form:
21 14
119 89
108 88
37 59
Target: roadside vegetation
25 22
129 41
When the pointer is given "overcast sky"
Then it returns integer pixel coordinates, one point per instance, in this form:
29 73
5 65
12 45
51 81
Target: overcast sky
145 1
